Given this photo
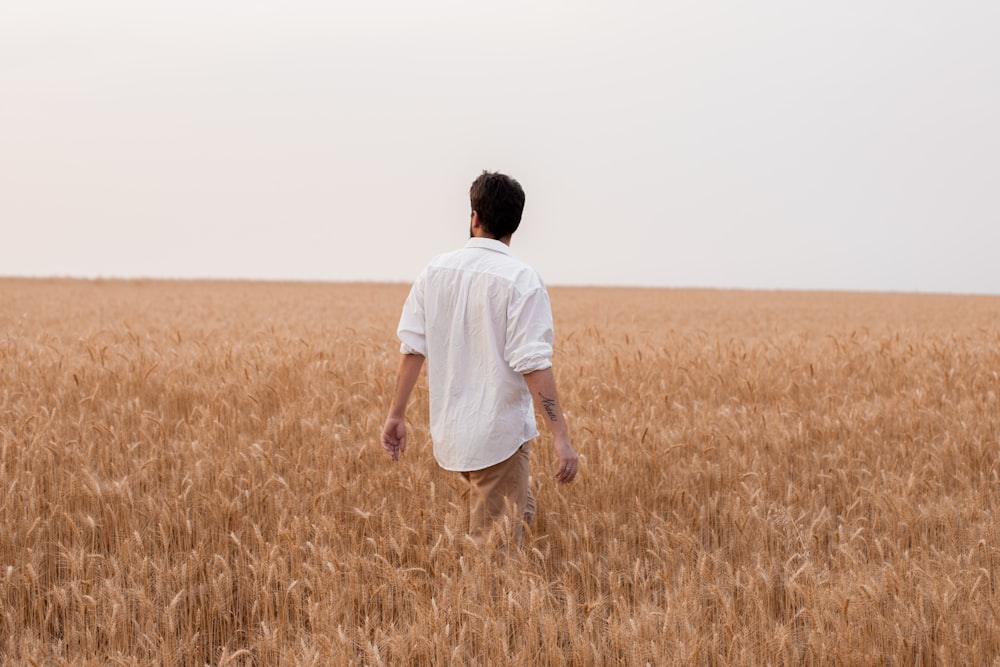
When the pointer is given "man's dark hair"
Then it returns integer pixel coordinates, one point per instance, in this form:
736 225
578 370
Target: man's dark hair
499 201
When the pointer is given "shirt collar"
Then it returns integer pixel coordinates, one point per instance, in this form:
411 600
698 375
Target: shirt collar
488 244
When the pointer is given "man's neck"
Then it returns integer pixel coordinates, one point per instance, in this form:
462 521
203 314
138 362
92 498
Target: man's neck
477 234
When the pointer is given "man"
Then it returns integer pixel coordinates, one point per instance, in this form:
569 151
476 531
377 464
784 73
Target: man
482 320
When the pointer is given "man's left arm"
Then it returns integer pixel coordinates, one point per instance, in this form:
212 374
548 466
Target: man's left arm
394 431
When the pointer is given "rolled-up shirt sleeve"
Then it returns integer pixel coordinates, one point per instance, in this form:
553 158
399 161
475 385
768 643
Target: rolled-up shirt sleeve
529 332
411 330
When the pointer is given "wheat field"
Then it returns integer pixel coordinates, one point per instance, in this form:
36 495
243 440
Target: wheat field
191 475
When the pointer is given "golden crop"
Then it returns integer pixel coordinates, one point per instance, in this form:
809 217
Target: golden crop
190 474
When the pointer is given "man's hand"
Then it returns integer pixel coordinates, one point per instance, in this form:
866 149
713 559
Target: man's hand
569 464
542 385
394 437
394 431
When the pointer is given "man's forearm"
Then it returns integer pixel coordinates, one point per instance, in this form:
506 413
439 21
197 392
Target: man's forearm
409 371
542 385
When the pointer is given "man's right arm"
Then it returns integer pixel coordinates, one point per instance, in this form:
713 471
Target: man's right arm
542 385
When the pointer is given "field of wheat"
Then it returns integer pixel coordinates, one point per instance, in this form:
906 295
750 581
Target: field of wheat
191 475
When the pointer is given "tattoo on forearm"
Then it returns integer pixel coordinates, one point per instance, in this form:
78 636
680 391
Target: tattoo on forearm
549 404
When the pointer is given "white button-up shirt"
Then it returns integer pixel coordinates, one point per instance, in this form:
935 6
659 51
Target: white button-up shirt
482 318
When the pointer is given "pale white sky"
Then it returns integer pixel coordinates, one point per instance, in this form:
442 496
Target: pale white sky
753 144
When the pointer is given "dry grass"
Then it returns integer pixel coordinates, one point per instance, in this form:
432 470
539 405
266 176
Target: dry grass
191 475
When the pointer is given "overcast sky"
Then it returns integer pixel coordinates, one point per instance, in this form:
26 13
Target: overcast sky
765 144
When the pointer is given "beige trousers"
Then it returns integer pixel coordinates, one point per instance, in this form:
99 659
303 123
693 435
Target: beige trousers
497 490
